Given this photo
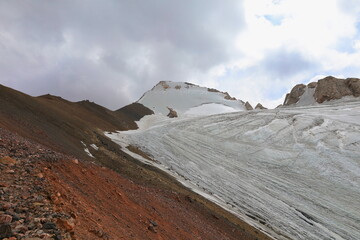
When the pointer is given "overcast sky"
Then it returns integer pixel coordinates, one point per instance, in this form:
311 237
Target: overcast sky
112 51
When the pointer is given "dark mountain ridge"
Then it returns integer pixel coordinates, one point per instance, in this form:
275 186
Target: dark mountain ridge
54 121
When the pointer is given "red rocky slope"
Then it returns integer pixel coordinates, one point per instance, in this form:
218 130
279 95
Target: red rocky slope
47 195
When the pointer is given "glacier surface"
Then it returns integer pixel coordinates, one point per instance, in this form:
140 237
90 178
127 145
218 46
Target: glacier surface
293 173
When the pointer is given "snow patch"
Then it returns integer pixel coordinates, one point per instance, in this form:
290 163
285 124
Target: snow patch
88 152
94 146
209 109
307 98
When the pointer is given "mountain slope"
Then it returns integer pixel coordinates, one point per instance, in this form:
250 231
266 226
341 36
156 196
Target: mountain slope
56 122
189 99
94 168
76 199
133 112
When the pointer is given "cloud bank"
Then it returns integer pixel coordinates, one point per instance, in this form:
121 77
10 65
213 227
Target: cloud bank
112 51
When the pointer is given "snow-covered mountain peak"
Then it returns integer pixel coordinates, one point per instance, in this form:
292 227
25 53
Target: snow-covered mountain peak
189 99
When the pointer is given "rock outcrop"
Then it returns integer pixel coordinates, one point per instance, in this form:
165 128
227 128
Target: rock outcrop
326 89
295 94
248 106
259 106
331 88
354 85
312 85
228 97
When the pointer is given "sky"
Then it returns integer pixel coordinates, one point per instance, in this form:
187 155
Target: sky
112 51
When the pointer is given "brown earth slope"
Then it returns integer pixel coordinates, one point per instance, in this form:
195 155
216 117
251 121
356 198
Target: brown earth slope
59 123
48 195
133 112
124 199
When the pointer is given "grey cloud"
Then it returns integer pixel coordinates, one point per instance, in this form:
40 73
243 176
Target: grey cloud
283 63
277 67
48 46
271 77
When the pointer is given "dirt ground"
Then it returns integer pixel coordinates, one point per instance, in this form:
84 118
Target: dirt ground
75 199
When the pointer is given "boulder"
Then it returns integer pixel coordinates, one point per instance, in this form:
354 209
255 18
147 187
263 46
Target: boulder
7 161
172 113
5 231
49 225
67 224
5 219
164 84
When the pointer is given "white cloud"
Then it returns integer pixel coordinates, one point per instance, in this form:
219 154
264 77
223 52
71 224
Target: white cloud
356 45
306 28
309 26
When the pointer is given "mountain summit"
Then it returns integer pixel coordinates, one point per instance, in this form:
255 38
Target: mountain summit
189 99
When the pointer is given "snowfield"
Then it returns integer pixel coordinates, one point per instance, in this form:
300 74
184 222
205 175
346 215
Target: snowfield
188 99
291 172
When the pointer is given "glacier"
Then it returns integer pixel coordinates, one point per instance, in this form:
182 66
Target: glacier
293 173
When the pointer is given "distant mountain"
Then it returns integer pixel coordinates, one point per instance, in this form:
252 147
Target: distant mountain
189 99
329 88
